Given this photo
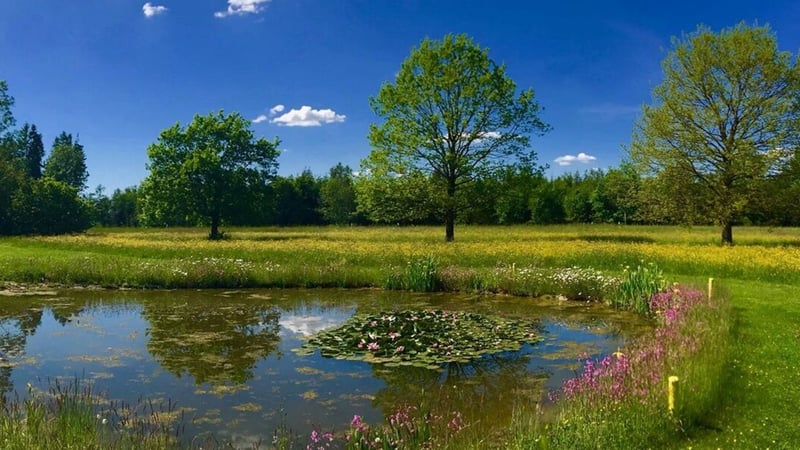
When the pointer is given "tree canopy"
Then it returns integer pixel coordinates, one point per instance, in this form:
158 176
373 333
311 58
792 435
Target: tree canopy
29 203
725 116
454 113
6 102
67 162
209 169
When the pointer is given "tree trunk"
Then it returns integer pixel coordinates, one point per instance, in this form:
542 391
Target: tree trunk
450 212
727 232
214 228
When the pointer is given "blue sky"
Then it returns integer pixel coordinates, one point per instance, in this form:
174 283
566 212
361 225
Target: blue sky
117 72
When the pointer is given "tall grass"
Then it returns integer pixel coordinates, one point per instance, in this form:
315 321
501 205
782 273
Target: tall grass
637 287
421 274
68 415
622 400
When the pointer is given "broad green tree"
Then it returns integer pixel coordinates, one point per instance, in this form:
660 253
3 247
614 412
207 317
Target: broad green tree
452 112
67 162
209 169
391 198
723 117
48 206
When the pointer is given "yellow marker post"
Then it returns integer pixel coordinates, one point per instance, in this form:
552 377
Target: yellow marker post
710 287
671 399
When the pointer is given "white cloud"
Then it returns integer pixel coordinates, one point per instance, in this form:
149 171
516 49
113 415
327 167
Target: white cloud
307 117
153 10
308 325
276 109
582 158
242 7
260 119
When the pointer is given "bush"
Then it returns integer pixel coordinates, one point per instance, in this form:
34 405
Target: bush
637 286
420 275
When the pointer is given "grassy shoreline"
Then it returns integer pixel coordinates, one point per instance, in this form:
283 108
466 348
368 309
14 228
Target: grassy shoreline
762 272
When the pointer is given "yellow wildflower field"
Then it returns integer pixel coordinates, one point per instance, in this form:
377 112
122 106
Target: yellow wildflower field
759 253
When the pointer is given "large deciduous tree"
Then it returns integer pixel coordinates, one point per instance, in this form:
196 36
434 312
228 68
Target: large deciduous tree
210 169
723 118
452 112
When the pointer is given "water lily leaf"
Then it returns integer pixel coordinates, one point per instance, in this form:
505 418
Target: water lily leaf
424 338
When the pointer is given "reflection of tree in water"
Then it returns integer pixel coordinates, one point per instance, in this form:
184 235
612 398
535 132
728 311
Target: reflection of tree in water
16 325
489 388
210 342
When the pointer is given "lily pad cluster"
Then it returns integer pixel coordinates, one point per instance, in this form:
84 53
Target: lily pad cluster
422 338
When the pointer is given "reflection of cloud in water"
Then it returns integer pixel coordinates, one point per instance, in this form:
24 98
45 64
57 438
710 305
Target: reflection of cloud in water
308 323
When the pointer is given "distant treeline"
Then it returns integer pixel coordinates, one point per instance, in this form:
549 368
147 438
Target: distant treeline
514 196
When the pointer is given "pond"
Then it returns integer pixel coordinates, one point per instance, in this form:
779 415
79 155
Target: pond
228 361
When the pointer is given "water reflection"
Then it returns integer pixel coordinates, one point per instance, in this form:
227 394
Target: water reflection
17 323
211 343
228 357
493 383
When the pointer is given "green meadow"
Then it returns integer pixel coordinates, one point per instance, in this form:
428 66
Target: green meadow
747 343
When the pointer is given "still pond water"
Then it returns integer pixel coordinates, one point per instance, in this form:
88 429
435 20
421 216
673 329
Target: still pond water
227 359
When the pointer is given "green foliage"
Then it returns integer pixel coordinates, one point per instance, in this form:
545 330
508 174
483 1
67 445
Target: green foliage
389 198
452 112
47 206
32 150
212 170
637 287
6 102
621 400
425 339
575 283
119 210
295 200
67 162
338 196
723 118
421 274
547 204
64 417
12 176
516 187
